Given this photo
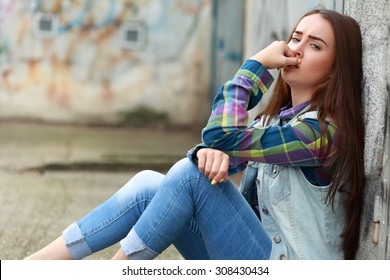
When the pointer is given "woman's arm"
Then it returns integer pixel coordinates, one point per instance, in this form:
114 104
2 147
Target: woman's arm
252 77
299 144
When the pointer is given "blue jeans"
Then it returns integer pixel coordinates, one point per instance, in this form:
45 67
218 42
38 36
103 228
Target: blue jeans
153 211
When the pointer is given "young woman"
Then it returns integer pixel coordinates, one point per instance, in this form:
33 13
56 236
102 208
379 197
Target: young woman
302 188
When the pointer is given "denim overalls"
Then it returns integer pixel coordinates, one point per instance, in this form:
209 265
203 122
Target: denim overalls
293 211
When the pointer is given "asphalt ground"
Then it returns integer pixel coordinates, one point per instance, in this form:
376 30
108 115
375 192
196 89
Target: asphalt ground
52 175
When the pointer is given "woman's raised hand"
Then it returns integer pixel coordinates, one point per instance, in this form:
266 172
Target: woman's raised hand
214 164
276 55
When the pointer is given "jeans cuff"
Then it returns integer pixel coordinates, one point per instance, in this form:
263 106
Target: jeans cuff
75 242
135 248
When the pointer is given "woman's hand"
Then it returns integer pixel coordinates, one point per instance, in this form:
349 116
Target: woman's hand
277 55
214 164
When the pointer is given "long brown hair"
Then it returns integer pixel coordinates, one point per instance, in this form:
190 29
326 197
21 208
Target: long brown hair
338 97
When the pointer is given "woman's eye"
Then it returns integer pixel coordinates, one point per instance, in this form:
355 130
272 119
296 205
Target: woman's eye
314 46
295 40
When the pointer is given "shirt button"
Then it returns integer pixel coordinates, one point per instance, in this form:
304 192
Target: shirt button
277 239
265 210
282 257
275 170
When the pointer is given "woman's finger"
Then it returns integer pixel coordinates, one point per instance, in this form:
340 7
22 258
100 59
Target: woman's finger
201 161
222 174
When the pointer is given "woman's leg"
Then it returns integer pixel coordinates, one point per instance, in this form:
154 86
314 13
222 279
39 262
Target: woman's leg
106 224
229 227
56 250
190 245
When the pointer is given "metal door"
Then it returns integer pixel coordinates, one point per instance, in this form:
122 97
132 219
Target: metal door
227 41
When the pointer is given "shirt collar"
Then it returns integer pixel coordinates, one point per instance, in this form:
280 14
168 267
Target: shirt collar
290 112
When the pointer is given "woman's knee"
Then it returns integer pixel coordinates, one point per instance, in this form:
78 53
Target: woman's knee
183 172
185 167
147 178
144 183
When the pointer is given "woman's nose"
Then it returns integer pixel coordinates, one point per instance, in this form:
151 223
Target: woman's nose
297 50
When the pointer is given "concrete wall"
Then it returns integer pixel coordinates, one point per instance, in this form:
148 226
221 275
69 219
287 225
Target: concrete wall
374 17
84 72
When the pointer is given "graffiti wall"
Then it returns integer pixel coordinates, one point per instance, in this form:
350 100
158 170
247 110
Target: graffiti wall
98 61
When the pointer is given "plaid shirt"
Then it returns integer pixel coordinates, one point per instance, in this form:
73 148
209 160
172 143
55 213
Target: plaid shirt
297 144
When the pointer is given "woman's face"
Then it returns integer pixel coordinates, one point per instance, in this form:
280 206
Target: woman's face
313 42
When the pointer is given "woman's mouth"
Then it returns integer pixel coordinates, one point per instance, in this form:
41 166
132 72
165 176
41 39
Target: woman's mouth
292 66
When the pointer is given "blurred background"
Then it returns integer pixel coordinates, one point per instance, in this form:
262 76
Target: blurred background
130 61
